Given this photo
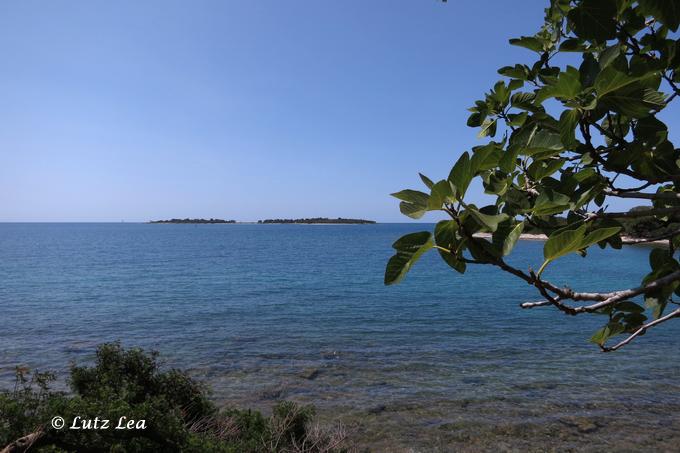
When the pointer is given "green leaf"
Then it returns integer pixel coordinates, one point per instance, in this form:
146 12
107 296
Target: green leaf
542 140
517 119
409 249
662 264
528 42
665 11
658 258
568 121
629 307
496 182
594 20
651 130
513 85
524 101
611 79
634 321
501 93
445 233
442 192
485 157
461 174
588 70
563 243
601 336
445 236
599 235
412 210
608 55
657 301
584 174
568 86
475 120
488 128
508 160
587 195
507 235
572 45
489 221
550 202
412 196
519 71
542 168
483 250
427 181
634 101
414 203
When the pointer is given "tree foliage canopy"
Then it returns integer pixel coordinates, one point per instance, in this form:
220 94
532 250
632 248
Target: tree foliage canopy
562 139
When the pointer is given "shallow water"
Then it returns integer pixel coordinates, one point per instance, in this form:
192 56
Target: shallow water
267 312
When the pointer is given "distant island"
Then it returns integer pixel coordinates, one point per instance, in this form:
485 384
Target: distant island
193 221
323 220
315 220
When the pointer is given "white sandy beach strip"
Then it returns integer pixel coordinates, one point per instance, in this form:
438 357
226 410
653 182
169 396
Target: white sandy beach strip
542 237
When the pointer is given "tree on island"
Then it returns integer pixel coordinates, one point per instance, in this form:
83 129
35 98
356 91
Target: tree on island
570 136
324 220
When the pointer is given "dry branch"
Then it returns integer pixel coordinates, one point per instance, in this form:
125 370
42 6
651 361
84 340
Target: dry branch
23 443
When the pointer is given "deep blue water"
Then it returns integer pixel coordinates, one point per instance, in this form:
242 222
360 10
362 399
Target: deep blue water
253 308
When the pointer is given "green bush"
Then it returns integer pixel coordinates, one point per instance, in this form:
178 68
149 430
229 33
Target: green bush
177 412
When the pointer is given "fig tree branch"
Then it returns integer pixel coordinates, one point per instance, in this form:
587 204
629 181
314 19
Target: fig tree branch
641 330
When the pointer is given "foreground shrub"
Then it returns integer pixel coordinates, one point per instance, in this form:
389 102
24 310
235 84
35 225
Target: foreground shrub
166 410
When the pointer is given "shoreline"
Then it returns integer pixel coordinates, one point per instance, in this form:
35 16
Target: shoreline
627 240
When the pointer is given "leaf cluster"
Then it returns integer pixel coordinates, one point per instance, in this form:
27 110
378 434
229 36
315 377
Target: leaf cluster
563 131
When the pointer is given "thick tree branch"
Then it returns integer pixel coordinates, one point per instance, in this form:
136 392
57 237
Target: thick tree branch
619 296
604 299
642 195
538 283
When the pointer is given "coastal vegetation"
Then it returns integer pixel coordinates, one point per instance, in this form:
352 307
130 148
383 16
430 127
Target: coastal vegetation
323 220
580 124
126 402
647 229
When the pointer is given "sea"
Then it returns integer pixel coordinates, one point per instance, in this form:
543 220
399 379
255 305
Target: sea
262 313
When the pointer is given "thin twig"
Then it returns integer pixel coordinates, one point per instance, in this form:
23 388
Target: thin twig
642 330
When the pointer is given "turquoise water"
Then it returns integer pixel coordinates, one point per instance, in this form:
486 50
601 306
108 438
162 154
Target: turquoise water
266 312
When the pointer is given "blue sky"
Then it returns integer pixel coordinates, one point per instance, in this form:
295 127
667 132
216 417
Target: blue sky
244 109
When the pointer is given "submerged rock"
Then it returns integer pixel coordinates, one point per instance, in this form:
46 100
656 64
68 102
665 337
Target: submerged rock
582 424
375 410
311 373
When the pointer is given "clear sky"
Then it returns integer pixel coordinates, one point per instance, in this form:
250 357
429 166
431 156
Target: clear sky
139 110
